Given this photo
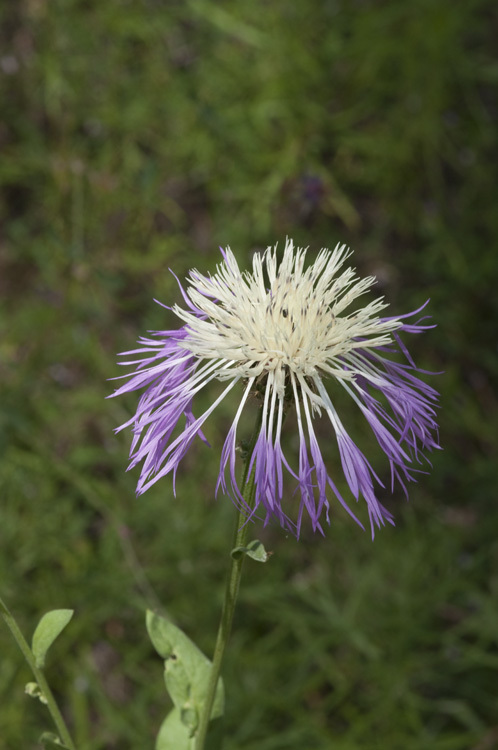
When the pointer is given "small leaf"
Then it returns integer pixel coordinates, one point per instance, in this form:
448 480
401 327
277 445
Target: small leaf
47 630
186 672
50 741
254 550
34 691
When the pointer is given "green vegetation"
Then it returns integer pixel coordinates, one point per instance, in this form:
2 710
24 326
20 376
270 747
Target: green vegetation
139 136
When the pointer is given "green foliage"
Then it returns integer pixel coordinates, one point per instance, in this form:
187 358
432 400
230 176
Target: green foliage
137 137
255 550
186 674
48 629
174 734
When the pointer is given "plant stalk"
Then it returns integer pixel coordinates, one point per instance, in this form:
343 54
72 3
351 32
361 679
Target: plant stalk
231 593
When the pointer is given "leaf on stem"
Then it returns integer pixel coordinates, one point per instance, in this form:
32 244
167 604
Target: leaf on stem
47 630
255 550
186 674
34 691
173 734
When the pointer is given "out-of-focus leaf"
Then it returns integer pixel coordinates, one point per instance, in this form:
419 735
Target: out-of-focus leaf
47 630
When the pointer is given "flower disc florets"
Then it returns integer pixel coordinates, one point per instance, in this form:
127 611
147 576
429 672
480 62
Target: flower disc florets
284 331
285 320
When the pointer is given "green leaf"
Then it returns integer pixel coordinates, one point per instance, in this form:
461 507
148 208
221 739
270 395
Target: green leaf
254 550
186 672
173 734
50 741
47 630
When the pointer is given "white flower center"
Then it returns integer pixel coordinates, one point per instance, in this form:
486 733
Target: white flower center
283 317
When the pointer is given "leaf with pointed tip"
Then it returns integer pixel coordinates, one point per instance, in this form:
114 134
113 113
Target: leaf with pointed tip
255 550
50 626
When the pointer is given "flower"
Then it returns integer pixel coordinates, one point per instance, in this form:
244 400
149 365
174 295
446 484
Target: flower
283 333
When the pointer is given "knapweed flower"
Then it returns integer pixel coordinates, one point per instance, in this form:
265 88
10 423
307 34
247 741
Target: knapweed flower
286 334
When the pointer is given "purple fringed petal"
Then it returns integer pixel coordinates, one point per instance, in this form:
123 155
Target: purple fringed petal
168 371
359 475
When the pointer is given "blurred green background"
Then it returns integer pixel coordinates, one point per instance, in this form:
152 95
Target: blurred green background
138 136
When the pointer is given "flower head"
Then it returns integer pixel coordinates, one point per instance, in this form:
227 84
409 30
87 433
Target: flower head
285 333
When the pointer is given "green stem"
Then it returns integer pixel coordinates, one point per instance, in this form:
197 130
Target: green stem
39 676
231 592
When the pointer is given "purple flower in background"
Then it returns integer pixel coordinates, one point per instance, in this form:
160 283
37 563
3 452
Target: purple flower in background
284 334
